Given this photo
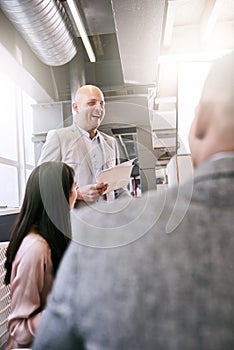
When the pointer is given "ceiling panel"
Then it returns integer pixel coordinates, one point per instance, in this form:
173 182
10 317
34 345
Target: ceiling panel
98 16
188 12
226 12
138 29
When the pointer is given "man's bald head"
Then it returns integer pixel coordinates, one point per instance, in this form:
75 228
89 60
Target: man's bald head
220 79
88 90
89 106
212 130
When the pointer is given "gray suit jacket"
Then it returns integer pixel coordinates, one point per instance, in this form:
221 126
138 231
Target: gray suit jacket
67 145
165 283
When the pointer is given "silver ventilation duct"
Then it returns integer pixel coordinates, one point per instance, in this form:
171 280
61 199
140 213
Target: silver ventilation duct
45 27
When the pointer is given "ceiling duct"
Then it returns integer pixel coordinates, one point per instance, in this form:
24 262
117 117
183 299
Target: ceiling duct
45 27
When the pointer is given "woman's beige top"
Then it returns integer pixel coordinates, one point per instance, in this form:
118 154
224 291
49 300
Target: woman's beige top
31 282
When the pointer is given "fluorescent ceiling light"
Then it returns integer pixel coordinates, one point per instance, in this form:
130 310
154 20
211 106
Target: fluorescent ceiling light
214 9
80 26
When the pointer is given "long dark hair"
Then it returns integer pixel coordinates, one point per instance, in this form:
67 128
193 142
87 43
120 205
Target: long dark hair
45 210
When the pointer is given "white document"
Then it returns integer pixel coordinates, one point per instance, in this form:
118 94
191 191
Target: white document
117 176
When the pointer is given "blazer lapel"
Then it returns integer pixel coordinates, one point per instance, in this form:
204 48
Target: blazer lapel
82 149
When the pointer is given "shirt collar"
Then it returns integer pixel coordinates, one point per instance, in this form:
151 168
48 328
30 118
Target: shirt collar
221 155
86 134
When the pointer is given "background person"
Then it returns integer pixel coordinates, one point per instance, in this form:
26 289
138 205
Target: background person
82 146
38 241
170 289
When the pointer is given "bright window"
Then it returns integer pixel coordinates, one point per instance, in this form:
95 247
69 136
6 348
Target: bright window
27 102
16 146
8 120
9 189
191 77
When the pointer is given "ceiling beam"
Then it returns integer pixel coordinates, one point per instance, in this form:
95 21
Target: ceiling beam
139 34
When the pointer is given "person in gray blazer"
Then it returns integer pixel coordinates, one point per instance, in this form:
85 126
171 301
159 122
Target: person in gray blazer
158 273
82 146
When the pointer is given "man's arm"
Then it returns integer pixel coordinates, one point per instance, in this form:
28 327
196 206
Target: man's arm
51 150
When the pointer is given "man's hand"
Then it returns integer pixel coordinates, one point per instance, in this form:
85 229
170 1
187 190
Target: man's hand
91 193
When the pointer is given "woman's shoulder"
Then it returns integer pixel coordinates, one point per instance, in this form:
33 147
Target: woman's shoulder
34 244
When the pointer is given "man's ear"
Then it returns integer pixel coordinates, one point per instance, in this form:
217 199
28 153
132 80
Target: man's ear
204 115
75 107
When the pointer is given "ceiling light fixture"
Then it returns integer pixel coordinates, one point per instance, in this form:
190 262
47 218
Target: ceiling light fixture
80 26
212 10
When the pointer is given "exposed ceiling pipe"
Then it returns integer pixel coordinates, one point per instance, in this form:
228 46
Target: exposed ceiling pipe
45 27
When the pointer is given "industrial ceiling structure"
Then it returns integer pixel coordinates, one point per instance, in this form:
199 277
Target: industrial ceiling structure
137 40
137 45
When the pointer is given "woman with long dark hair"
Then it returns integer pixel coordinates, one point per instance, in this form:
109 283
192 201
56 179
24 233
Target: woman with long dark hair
38 240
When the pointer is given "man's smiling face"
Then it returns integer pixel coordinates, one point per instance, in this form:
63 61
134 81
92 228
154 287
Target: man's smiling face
90 108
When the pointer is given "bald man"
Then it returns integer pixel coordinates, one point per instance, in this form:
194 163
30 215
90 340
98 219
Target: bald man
82 146
168 281
212 131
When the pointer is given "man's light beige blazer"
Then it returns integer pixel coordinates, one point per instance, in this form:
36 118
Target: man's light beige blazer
67 145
